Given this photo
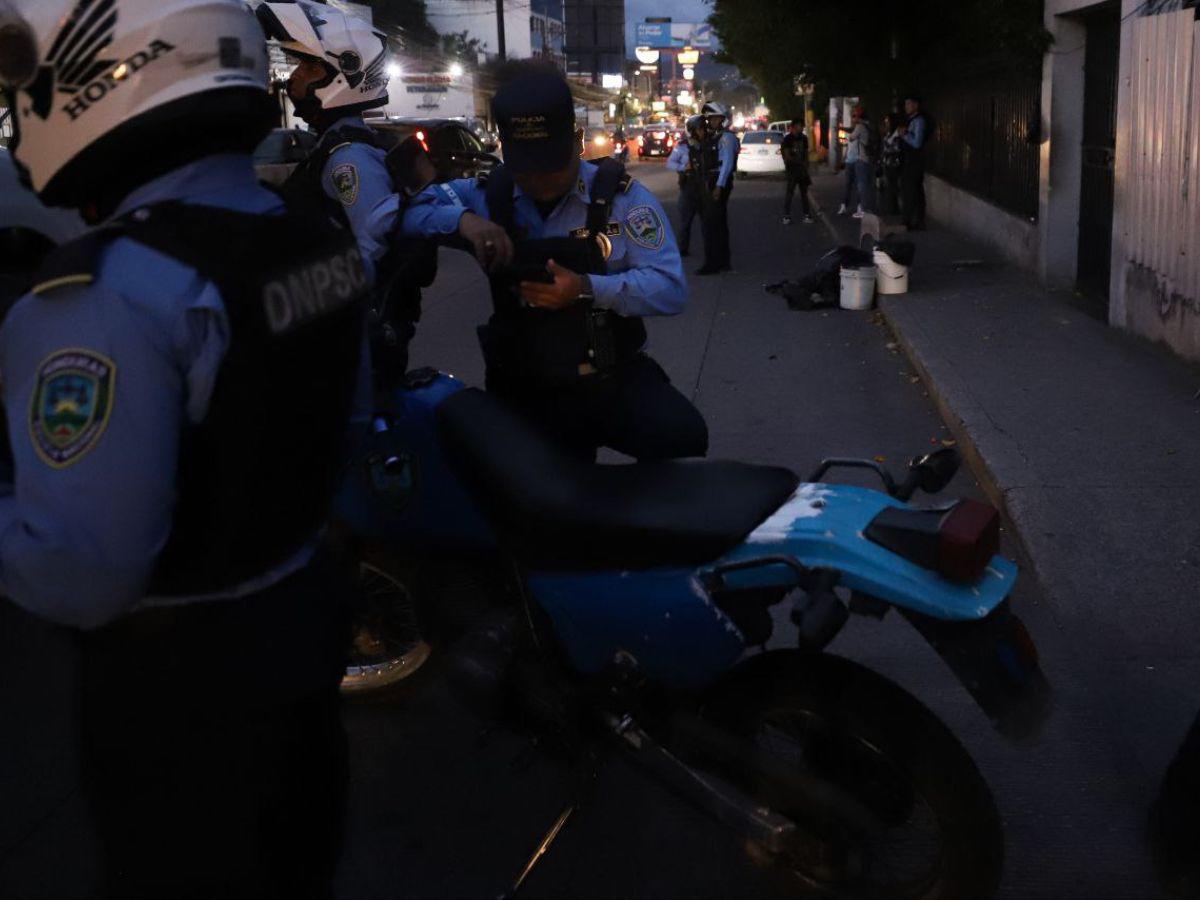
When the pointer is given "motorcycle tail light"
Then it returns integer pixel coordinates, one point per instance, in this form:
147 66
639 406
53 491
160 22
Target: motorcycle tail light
969 537
956 542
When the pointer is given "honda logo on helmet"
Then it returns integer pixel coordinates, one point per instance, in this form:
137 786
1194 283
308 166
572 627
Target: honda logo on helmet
75 65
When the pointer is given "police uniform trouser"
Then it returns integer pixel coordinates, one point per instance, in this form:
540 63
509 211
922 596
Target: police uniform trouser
716 229
212 744
634 410
689 208
912 188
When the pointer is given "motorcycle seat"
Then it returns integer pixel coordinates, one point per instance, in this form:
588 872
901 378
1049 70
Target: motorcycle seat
558 513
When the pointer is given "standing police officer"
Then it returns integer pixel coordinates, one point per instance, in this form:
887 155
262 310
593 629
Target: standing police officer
179 385
687 160
341 72
716 213
593 255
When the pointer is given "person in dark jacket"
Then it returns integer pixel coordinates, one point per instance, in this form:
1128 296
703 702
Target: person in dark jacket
914 134
795 160
891 164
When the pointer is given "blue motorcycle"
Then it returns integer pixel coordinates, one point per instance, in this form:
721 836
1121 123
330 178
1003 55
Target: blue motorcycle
634 603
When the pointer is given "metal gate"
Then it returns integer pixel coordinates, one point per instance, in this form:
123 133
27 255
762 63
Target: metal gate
1101 58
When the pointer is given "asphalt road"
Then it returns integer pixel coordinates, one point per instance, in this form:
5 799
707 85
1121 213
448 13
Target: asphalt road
438 812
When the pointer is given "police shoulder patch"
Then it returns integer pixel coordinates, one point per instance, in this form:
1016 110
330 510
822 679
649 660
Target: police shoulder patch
645 228
345 182
71 405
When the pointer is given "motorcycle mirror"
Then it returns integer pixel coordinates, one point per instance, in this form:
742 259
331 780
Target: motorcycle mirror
934 471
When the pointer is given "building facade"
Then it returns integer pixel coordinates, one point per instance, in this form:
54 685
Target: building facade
1115 141
595 38
532 28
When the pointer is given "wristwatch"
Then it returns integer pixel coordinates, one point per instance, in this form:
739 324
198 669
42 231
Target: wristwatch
586 293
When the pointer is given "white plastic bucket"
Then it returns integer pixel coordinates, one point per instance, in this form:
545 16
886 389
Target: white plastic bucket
890 276
858 287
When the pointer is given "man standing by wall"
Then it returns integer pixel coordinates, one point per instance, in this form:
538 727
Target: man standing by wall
861 154
795 160
912 173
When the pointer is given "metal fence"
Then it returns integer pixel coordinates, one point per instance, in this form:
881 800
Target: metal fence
1159 154
985 139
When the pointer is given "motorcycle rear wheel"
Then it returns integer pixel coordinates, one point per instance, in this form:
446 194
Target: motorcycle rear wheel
387 647
942 838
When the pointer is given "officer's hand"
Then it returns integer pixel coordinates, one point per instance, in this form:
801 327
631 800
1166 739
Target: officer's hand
493 248
562 293
717 194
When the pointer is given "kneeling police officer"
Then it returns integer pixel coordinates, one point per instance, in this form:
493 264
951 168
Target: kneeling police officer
592 255
180 385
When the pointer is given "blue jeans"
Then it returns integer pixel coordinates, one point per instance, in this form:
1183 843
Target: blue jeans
865 174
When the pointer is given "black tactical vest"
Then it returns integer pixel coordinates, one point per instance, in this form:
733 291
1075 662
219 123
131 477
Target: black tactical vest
704 160
256 477
558 347
305 181
406 267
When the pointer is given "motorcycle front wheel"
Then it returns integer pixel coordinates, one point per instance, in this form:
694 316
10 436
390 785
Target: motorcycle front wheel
827 716
387 647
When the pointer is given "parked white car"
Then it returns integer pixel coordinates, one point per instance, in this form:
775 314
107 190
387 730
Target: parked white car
760 153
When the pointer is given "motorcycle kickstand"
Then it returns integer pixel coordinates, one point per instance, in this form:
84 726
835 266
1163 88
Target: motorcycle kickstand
586 781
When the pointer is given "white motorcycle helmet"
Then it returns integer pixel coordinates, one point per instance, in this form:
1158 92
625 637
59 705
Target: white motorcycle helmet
353 54
713 109
106 94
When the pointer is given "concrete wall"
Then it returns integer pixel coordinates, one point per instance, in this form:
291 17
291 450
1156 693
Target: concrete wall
1015 239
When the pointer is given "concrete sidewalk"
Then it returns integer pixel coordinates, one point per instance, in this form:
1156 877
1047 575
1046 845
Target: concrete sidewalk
1089 439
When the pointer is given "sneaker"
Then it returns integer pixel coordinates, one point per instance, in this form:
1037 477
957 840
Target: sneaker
842 210
808 220
858 213
787 220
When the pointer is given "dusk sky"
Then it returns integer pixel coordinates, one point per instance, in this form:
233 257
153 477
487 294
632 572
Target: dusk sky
679 10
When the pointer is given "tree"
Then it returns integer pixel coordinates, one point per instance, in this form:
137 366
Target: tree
461 46
886 48
405 17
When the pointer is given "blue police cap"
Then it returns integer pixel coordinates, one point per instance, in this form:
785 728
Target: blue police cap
536 118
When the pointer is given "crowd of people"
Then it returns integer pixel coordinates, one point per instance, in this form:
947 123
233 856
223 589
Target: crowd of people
884 173
885 167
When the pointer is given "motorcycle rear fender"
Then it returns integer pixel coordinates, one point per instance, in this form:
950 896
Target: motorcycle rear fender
823 527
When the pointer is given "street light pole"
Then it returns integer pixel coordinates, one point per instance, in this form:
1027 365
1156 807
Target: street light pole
500 28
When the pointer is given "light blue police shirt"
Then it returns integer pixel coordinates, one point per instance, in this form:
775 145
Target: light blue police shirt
728 146
356 176
645 272
915 135
680 157
81 528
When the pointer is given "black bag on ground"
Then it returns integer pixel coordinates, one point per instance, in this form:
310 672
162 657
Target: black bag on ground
824 281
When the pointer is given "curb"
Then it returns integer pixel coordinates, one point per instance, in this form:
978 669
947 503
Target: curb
965 441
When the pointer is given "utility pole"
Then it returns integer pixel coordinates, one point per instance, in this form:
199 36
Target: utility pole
500 29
